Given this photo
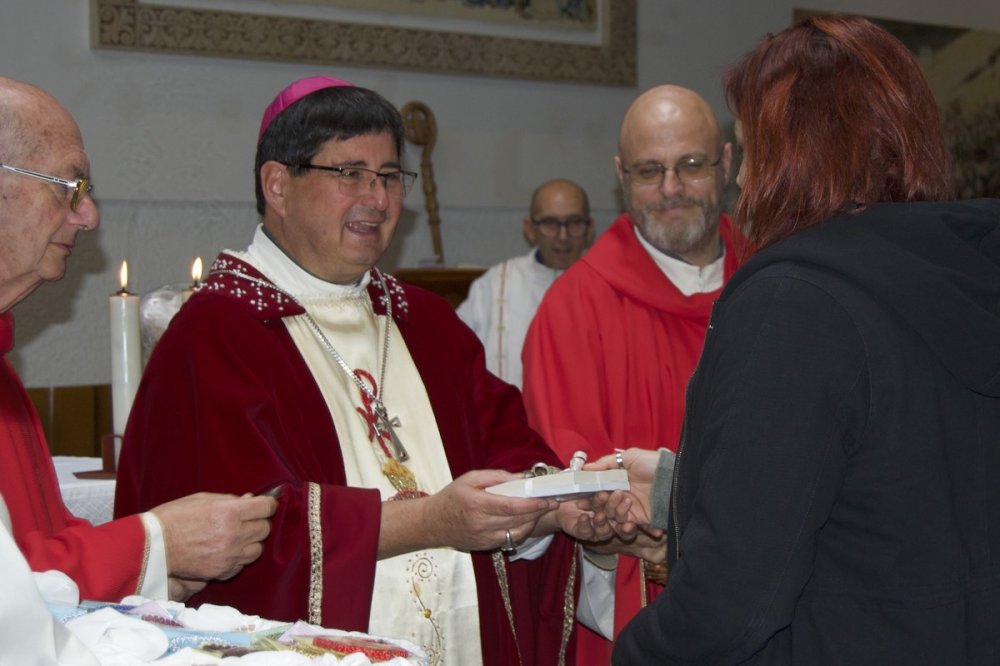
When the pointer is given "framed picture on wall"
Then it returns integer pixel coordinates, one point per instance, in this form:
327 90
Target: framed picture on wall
584 41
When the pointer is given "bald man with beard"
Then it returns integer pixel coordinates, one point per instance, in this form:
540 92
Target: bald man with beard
616 338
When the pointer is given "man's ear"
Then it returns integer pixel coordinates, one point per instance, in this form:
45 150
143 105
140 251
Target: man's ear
528 227
620 172
274 180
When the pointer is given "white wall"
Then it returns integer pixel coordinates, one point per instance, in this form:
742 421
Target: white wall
171 144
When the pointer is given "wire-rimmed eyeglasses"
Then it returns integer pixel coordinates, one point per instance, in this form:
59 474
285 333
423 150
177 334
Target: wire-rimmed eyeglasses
576 226
687 169
352 180
80 186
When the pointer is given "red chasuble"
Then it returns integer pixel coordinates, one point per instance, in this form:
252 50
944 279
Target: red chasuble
106 561
227 404
606 362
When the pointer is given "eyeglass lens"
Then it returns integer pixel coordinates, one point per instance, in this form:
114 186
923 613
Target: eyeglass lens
355 181
575 226
687 170
82 187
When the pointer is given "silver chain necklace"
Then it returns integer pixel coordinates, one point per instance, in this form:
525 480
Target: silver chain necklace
386 426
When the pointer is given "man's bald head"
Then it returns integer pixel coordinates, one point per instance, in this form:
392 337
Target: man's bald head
43 188
676 210
670 110
28 117
560 188
559 211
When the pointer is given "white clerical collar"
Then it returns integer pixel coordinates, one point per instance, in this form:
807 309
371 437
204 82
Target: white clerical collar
265 255
688 278
539 265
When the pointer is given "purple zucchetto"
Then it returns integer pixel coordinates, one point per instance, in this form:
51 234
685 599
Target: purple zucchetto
294 93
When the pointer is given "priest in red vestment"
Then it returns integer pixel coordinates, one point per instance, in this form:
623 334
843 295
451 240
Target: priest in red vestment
301 370
45 195
617 336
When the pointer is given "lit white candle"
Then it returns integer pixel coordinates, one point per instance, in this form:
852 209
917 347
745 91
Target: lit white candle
195 281
126 353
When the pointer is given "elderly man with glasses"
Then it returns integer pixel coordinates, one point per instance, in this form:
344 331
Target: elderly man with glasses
502 302
170 550
301 370
616 338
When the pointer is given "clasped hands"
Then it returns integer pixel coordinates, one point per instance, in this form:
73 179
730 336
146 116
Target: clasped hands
628 513
211 536
465 517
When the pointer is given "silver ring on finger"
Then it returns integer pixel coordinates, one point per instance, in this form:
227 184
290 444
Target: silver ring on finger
508 547
620 458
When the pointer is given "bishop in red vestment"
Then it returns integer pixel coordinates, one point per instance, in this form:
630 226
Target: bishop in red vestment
254 389
229 405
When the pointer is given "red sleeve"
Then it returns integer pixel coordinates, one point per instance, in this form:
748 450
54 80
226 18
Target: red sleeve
566 356
227 405
105 561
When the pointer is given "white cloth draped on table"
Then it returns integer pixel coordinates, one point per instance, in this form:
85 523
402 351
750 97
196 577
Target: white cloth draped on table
91 499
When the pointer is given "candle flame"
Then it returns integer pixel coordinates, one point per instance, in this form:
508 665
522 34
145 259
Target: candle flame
196 271
123 275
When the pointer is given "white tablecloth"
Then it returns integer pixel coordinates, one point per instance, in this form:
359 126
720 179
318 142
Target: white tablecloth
93 499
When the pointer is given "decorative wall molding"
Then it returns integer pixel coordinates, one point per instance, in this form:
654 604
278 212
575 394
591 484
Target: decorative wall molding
131 25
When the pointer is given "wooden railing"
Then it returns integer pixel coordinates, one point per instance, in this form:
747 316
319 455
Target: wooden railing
451 283
74 418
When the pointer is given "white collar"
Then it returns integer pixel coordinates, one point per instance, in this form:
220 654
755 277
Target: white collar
265 255
539 266
688 278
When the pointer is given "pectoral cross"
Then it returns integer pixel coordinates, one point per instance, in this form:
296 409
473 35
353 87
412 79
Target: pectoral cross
386 428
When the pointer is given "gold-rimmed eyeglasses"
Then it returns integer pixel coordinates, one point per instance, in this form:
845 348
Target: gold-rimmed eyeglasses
687 169
80 186
353 180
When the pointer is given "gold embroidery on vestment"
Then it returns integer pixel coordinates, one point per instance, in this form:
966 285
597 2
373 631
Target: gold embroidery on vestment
569 609
500 565
422 568
145 559
399 476
315 557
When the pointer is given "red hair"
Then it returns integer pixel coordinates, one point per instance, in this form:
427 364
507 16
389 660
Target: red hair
836 115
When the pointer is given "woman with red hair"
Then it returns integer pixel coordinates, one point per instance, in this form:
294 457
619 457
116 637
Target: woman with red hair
836 498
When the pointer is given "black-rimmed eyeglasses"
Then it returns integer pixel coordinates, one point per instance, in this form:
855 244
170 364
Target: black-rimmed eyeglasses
575 227
687 170
80 186
354 182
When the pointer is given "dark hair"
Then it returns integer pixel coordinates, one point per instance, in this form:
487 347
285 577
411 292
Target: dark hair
298 133
836 115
